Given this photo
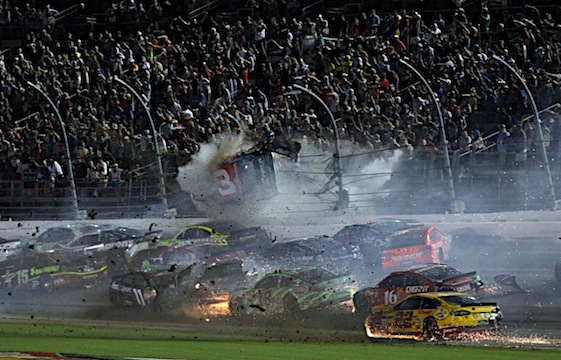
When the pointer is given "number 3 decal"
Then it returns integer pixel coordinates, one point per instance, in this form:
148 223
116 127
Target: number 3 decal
226 186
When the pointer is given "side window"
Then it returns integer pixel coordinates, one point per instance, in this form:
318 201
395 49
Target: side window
43 261
387 282
268 283
411 280
128 280
86 240
139 280
429 304
189 234
413 303
435 235
398 280
288 281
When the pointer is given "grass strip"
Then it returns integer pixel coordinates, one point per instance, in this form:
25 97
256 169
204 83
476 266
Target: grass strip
170 344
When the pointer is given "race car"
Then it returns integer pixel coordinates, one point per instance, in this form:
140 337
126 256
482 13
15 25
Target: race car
43 271
372 231
416 245
292 291
9 247
166 291
424 278
216 232
317 251
371 236
98 242
434 315
173 257
61 236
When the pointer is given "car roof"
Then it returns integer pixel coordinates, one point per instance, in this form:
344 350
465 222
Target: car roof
311 241
439 294
223 226
420 228
434 272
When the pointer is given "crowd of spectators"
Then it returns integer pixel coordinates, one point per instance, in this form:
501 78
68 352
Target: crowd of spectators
208 75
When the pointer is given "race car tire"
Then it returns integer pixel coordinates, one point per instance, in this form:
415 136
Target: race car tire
46 283
291 305
558 272
361 303
430 329
373 325
160 305
235 306
115 299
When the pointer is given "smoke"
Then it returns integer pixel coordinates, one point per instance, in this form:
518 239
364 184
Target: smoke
306 187
197 176
369 174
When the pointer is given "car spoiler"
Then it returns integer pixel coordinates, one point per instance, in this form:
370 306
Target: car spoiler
472 273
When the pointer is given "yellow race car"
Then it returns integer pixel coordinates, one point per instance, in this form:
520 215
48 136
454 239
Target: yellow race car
434 316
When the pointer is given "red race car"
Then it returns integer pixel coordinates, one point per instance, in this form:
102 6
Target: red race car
416 245
425 278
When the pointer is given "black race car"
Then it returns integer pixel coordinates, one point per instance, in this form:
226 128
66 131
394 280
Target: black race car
44 271
169 290
371 236
9 247
318 251
98 242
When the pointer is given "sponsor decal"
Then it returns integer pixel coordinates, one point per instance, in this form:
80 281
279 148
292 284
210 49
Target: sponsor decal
406 257
416 289
464 288
44 270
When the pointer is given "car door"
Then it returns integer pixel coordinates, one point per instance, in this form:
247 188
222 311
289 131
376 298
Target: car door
265 291
439 243
403 317
134 286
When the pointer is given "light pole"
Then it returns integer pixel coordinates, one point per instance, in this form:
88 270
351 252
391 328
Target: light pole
343 200
538 121
66 145
155 136
455 204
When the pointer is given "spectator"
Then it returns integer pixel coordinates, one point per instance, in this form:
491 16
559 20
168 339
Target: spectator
502 147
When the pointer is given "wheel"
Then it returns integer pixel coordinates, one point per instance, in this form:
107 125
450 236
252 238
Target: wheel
236 307
361 303
46 283
373 325
160 305
558 271
291 305
115 299
430 329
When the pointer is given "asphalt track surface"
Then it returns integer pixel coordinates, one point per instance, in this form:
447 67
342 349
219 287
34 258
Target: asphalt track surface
525 245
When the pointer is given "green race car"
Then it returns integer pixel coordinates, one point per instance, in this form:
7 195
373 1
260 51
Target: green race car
221 233
292 291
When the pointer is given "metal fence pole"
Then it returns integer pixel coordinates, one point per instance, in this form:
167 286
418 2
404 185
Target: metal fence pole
66 144
543 150
442 131
155 136
343 199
